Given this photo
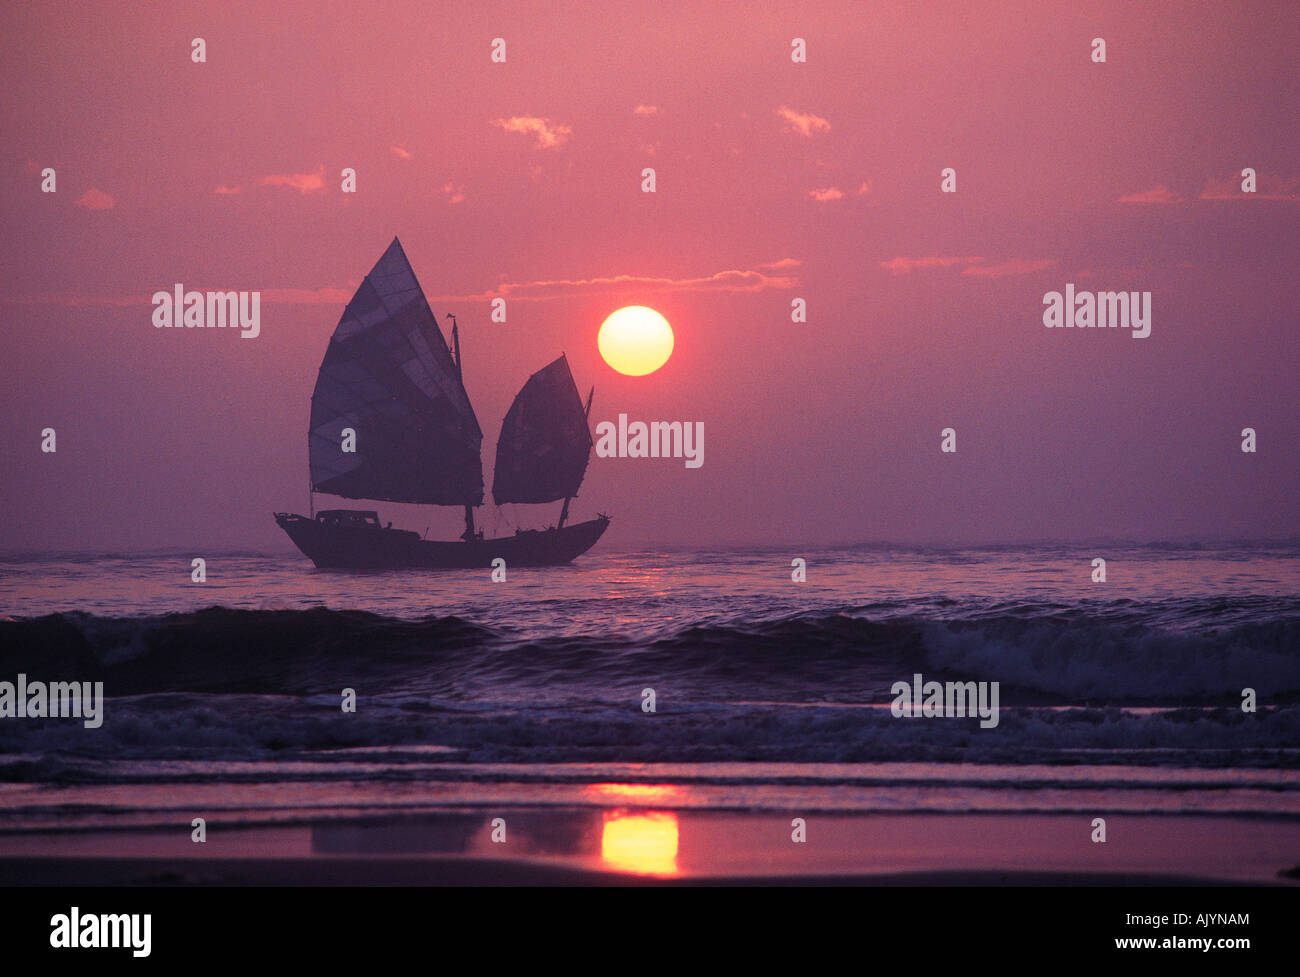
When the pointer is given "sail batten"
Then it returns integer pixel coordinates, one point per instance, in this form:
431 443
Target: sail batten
545 443
389 376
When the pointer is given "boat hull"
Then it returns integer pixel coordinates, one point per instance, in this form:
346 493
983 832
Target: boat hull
374 548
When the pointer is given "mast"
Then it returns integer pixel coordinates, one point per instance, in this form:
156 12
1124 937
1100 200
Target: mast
455 348
460 375
586 416
311 482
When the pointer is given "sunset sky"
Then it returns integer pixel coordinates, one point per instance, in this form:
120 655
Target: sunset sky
775 180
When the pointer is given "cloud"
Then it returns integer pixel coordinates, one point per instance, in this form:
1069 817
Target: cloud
646 110
285 296
865 188
76 299
454 193
540 291
732 280
975 267
1113 273
1159 194
1268 186
94 199
827 194
548 136
310 296
302 182
399 152
805 125
901 266
1012 266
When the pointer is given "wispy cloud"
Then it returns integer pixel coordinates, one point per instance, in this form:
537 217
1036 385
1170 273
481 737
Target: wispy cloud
1159 194
399 152
901 266
827 194
548 135
537 291
74 300
804 124
865 188
974 266
646 110
1268 186
1010 267
1114 272
310 296
94 199
286 296
302 182
541 291
453 193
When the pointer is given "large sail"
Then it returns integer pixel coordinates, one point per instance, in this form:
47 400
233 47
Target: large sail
389 376
545 442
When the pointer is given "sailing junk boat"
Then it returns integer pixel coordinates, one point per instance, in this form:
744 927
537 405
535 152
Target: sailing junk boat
390 377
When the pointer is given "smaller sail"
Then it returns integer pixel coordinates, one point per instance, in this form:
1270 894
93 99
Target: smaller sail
545 442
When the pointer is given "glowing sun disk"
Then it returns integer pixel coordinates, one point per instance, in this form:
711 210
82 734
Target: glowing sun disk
635 340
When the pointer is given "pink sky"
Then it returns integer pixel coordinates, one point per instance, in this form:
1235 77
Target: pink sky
775 180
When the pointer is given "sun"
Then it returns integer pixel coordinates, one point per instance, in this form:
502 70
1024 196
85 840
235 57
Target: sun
635 340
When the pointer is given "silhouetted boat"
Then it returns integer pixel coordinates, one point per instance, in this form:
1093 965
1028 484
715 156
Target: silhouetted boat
390 420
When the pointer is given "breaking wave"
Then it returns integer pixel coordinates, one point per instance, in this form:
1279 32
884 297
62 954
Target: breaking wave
1177 652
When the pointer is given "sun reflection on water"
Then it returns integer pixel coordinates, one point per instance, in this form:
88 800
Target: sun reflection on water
644 843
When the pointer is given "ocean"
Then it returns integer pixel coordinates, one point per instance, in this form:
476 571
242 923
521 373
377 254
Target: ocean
223 699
